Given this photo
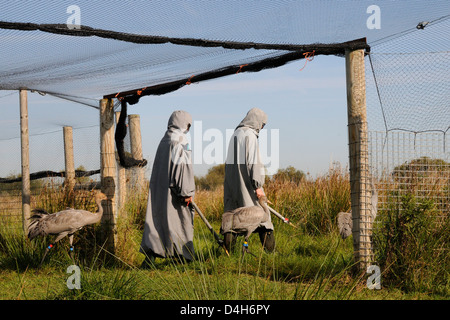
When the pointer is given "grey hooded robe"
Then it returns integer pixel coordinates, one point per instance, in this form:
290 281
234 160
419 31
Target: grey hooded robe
169 224
244 171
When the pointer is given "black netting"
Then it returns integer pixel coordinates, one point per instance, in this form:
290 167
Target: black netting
408 81
40 52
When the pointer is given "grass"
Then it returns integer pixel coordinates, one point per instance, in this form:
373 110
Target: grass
307 268
319 274
310 262
412 241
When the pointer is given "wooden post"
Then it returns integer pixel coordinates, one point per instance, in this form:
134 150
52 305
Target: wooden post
134 123
358 157
68 158
122 178
108 172
25 159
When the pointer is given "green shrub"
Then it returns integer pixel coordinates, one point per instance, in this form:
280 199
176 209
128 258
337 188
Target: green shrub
289 174
213 179
412 242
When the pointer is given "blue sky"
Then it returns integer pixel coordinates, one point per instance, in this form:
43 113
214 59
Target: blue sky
308 107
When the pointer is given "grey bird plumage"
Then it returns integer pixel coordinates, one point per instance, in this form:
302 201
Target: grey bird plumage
345 224
345 221
63 223
245 220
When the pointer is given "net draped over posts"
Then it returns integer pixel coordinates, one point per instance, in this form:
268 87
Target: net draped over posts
400 143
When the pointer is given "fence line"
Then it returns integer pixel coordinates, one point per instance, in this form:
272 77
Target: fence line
51 174
411 163
47 152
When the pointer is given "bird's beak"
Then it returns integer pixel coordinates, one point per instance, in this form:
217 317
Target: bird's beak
268 201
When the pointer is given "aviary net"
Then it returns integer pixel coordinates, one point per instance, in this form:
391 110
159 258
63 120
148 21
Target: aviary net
408 103
133 45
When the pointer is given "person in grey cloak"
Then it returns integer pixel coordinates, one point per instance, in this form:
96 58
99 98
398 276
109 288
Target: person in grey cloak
245 174
169 224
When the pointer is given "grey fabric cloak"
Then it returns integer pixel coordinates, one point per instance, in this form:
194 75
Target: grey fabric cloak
244 171
169 223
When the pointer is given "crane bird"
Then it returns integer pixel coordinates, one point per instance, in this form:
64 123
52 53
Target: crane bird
344 219
63 223
244 220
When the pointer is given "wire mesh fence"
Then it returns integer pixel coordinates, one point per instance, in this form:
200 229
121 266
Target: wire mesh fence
407 107
412 91
407 163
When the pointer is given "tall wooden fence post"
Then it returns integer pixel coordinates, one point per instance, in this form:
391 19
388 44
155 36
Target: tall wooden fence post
68 158
358 157
25 159
108 172
134 122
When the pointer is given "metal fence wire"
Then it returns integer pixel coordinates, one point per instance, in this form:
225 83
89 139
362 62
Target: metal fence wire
408 116
411 163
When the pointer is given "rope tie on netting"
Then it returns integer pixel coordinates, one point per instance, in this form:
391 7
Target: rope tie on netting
139 92
240 67
298 52
188 82
117 96
309 56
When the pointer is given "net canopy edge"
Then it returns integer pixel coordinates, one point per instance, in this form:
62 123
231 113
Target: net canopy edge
86 31
133 96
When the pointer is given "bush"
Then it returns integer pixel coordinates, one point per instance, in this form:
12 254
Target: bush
213 179
290 174
411 244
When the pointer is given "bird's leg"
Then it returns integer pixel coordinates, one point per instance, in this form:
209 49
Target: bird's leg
45 253
245 247
71 247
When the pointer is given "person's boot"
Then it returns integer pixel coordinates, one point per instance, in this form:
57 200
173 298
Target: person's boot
267 239
149 260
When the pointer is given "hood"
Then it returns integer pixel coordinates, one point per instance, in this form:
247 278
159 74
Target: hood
255 119
179 120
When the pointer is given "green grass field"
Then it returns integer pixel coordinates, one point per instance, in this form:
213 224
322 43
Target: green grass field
310 262
303 267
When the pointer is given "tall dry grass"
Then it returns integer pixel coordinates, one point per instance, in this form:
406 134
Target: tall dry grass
412 247
314 202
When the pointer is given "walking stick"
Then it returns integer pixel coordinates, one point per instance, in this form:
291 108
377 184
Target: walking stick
216 236
285 220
